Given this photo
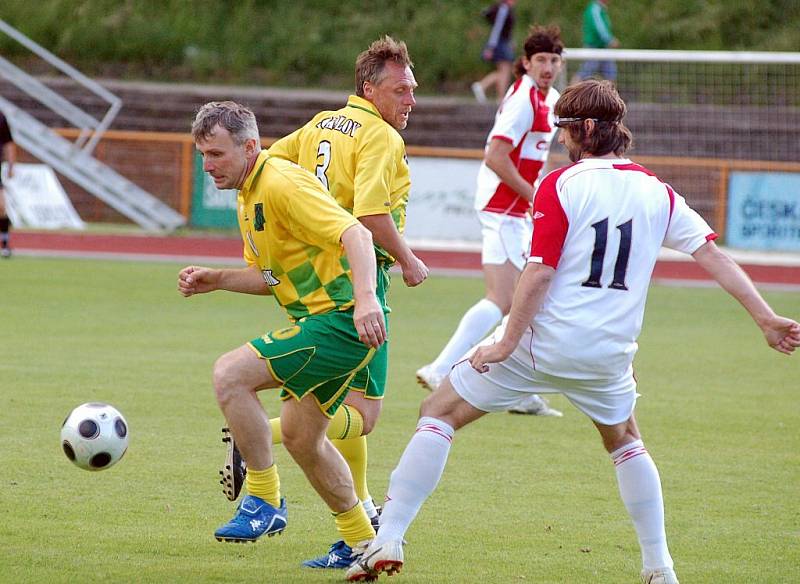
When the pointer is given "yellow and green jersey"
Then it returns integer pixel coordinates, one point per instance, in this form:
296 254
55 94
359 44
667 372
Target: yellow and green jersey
292 230
358 157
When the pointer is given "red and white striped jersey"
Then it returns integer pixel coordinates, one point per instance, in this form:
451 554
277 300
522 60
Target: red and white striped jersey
601 223
524 120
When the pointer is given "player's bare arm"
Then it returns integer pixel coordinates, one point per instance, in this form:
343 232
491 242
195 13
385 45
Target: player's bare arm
528 297
498 159
384 233
782 334
367 314
200 280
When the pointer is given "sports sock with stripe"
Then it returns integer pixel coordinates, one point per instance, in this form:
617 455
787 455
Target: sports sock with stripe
415 477
640 489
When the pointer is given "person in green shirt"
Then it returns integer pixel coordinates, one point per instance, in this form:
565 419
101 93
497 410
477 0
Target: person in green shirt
597 34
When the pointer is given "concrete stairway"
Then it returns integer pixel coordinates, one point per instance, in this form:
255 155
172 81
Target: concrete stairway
456 122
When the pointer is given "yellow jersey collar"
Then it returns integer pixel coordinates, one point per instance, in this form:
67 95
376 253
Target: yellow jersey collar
363 104
256 170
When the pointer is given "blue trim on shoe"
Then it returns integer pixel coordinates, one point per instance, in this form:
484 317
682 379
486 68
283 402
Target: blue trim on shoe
339 557
254 518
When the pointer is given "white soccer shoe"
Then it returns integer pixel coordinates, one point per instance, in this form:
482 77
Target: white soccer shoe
428 378
477 91
385 558
534 405
659 576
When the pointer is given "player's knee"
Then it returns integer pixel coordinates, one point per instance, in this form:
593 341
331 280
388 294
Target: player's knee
504 301
292 440
432 405
225 387
300 445
370 415
369 424
370 410
615 440
501 301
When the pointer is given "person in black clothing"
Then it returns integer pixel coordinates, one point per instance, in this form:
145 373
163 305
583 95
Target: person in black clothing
499 50
8 152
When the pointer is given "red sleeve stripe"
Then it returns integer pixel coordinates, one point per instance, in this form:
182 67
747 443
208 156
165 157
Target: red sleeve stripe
671 194
635 167
504 139
550 222
711 236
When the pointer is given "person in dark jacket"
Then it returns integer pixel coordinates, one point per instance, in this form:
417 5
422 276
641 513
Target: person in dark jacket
499 50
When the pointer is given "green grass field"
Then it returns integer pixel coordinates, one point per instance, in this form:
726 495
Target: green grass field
522 499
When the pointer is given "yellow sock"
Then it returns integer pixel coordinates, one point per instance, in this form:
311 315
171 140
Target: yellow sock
275 426
354 525
346 423
354 452
265 484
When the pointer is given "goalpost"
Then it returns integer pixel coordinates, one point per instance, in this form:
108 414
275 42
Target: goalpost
712 104
698 116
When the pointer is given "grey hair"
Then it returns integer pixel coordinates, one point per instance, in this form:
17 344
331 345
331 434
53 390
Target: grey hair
238 120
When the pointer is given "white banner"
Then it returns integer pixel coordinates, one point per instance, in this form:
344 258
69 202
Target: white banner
35 198
441 205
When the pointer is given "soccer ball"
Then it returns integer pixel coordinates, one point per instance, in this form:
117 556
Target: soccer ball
94 436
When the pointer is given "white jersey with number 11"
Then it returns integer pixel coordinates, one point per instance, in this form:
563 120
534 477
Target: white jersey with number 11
601 223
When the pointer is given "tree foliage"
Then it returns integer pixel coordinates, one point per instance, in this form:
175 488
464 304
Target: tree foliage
285 43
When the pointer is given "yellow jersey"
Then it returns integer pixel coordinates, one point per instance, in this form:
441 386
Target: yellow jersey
358 157
292 229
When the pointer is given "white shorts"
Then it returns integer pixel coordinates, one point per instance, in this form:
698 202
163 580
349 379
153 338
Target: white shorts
606 401
505 238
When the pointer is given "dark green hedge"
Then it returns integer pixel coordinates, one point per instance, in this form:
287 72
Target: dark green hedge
314 43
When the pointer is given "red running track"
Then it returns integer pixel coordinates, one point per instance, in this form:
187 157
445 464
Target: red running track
228 248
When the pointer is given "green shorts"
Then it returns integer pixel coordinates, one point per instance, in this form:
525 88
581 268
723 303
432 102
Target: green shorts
371 380
320 354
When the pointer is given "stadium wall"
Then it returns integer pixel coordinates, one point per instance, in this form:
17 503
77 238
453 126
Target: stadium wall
163 163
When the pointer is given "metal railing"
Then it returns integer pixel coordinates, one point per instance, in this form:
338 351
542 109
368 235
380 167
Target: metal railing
75 160
91 128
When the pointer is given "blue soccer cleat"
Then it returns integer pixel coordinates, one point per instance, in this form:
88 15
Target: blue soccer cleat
339 557
254 518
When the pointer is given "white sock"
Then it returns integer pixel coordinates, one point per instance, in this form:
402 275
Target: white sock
476 323
369 507
415 477
640 489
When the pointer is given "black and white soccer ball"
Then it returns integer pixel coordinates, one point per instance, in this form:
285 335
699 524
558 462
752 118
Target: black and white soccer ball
94 436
